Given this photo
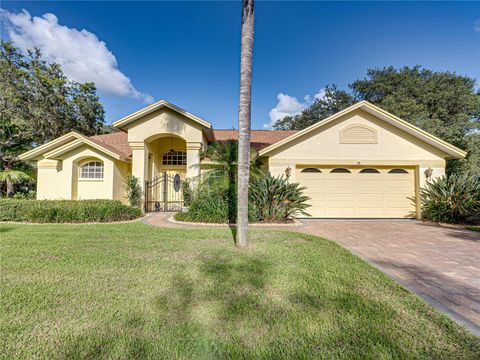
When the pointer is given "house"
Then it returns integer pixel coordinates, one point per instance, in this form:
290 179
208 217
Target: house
362 162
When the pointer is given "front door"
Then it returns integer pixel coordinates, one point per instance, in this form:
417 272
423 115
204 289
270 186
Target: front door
164 193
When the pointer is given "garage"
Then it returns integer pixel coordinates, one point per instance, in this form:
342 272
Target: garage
358 192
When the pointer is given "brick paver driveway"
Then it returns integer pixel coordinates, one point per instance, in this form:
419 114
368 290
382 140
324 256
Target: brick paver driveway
442 265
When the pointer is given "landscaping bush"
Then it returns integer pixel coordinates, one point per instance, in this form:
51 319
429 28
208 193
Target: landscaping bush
213 202
452 199
133 191
277 199
271 199
59 211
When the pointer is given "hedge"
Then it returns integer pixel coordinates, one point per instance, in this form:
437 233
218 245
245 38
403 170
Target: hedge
61 211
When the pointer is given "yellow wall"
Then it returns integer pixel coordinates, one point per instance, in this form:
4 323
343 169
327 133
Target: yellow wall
164 121
59 179
323 146
160 146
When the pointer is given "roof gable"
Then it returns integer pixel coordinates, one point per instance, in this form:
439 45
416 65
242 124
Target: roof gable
69 142
381 114
157 106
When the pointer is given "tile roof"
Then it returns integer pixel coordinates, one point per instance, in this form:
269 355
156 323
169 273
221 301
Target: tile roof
259 138
118 141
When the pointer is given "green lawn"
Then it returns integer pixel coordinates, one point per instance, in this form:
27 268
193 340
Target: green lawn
134 291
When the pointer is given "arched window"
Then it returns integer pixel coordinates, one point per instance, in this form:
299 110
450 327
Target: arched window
92 170
398 171
340 171
310 170
175 158
369 171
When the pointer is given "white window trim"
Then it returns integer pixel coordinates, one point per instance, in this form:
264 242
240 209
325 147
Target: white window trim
80 172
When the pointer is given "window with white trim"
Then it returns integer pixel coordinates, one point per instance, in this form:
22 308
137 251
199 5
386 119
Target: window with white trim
92 170
175 158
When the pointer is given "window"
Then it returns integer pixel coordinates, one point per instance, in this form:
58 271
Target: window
92 170
175 158
340 171
398 171
369 171
311 170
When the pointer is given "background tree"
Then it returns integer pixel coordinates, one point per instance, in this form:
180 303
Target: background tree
332 101
38 103
244 115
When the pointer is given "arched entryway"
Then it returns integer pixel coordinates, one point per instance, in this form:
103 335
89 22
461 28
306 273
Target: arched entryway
167 169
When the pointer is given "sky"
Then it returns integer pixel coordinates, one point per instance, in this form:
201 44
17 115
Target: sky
188 53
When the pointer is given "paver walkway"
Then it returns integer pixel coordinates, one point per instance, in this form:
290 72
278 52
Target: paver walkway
442 265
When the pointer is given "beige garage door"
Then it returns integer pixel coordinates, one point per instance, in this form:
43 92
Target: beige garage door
358 192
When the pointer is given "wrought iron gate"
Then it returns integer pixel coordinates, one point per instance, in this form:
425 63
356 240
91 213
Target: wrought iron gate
164 193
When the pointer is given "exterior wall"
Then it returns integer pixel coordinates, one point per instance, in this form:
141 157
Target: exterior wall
322 146
164 121
53 181
158 124
59 179
392 147
158 148
121 171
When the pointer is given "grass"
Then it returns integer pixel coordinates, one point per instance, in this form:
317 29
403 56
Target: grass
473 228
132 291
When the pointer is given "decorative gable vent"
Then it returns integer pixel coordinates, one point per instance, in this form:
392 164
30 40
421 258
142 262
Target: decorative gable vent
358 134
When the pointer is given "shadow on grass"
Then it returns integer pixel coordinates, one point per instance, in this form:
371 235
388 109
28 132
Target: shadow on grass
6 228
244 305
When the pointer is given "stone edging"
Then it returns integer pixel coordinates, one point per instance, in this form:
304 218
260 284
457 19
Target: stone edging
447 225
295 223
71 223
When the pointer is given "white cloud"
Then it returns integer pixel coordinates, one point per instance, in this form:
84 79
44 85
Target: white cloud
477 25
290 106
82 55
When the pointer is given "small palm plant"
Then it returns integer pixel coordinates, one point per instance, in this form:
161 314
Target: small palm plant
133 191
452 199
277 199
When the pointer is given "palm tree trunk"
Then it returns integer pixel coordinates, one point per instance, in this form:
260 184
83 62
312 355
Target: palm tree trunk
8 181
244 123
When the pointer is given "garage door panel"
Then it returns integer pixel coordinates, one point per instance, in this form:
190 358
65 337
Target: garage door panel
339 186
370 212
356 194
365 199
370 184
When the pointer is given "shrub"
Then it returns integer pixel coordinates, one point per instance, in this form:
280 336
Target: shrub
59 211
133 190
213 201
452 199
30 195
271 199
277 199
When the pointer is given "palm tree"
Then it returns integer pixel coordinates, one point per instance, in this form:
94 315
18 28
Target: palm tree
12 177
221 160
221 169
244 123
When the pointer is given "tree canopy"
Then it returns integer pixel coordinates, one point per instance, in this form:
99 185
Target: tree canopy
332 101
38 103
440 102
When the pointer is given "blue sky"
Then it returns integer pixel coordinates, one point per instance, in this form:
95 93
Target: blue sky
188 52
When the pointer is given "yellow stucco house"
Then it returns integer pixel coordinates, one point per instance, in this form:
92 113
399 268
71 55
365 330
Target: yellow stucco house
362 162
